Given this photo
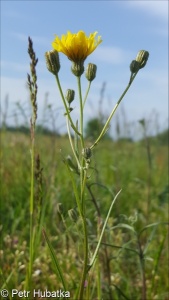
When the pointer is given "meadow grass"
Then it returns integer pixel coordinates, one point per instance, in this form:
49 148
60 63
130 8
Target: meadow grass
115 165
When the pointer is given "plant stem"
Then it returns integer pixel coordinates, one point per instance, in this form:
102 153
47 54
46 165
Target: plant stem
31 205
85 263
84 224
65 105
83 177
141 257
71 143
112 113
87 92
102 232
149 159
81 111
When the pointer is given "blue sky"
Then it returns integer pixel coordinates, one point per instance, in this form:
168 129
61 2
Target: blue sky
125 26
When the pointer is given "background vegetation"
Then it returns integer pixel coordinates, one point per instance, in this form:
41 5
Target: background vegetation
139 168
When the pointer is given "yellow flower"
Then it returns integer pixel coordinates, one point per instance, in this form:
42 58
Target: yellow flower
76 46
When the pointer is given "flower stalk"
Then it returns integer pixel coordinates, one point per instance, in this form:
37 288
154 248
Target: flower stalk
77 46
32 84
105 128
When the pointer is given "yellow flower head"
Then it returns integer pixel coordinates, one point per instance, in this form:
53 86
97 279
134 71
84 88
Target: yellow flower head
76 46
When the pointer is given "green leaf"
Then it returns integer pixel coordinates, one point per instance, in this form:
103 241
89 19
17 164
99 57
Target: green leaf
157 259
74 189
122 225
153 224
121 247
68 161
120 292
149 239
103 230
6 281
57 267
148 258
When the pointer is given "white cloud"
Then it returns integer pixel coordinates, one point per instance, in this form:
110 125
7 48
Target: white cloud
155 7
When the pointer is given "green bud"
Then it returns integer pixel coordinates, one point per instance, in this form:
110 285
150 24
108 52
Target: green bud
91 72
87 153
52 61
142 58
134 66
69 110
142 122
71 165
77 68
73 215
59 208
70 95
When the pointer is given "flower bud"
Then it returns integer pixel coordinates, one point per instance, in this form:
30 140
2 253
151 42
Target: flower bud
70 95
142 58
87 153
73 215
91 72
69 110
142 122
59 208
77 68
52 61
134 66
71 165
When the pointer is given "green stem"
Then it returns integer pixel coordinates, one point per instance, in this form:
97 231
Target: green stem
71 143
82 172
102 232
31 207
82 215
75 190
112 113
85 263
81 111
65 105
98 281
83 177
142 268
87 92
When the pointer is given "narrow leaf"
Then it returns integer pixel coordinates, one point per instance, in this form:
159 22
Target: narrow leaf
103 230
153 224
57 268
159 253
149 239
120 247
122 225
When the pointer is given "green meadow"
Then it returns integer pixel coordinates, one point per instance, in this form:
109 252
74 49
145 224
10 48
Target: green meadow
132 262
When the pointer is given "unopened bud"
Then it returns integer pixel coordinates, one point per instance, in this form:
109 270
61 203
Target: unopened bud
142 58
59 208
52 61
77 68
73 215
142 122
70 95
71 165
87 153
91 72
134 66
